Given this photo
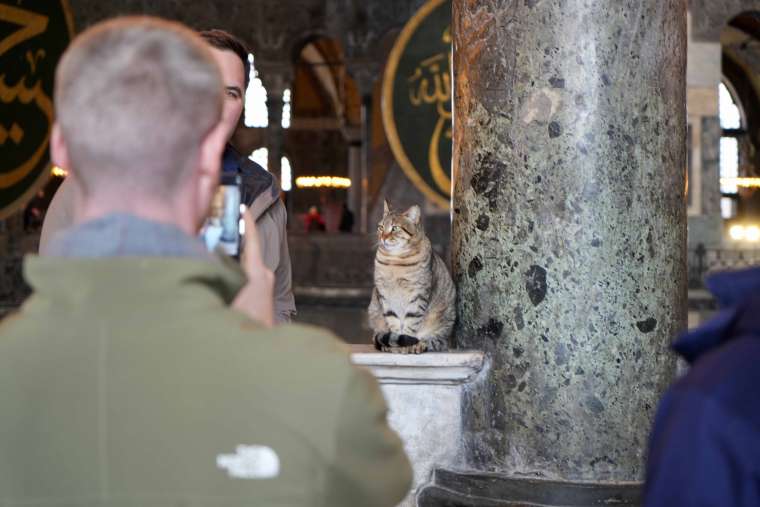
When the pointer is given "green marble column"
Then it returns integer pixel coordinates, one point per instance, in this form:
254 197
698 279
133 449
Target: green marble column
569 227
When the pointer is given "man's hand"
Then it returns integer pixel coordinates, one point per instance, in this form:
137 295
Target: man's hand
256 299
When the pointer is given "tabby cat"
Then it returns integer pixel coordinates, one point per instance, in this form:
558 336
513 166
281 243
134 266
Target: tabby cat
412 307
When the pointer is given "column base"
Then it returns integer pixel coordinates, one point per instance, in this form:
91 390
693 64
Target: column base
473 489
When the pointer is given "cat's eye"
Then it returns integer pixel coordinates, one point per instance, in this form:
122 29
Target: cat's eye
380 227
395 228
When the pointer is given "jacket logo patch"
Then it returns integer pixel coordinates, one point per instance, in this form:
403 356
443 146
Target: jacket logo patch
250 462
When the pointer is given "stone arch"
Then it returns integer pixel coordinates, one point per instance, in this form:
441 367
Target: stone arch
740 148
709 17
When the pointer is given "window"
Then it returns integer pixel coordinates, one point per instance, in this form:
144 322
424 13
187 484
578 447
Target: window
729 165
261 157
286 109
729 111
256 113
732 130
286 174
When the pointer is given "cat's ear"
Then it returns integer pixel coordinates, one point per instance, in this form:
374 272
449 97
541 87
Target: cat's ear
413 214
386 207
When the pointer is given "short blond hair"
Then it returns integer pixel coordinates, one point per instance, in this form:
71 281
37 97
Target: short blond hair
134 97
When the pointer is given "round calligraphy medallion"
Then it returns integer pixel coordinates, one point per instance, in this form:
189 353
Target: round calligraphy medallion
33 36
417 90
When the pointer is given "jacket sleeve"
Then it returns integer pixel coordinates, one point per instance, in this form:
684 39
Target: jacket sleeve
369 466
700 455
284 301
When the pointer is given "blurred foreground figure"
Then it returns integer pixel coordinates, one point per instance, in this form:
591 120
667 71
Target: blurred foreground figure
143 370
705 445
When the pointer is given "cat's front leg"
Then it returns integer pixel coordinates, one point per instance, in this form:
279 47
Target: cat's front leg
377 322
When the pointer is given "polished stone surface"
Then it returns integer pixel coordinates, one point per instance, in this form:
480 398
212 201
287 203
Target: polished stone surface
569 227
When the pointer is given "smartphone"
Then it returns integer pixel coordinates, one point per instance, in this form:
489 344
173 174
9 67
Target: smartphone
222 229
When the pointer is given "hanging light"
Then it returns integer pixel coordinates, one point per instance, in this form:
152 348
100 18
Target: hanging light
749 233
741 182
322 182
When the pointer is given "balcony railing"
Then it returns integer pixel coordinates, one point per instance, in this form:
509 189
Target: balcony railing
703 261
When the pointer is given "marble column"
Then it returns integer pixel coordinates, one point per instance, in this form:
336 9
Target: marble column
569 228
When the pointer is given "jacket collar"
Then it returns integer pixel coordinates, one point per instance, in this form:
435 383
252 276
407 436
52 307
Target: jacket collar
738 296
123 234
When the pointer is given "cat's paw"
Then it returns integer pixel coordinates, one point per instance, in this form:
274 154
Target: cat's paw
417 348
382 341
406 344
399 344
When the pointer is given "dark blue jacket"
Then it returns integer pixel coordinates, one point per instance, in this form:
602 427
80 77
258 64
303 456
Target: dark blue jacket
255 179
705 445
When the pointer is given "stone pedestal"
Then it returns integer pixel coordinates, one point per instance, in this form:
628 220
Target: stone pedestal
569 228
424 396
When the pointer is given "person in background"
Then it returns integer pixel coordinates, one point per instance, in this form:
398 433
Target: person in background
705 445
143 370
314 221
346 220
260 189
34 212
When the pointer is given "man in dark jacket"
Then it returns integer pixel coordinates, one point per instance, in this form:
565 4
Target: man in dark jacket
705 445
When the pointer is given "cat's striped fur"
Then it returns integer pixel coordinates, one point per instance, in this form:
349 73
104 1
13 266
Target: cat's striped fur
412 307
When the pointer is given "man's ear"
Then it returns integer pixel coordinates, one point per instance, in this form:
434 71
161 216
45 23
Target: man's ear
59 156
59 153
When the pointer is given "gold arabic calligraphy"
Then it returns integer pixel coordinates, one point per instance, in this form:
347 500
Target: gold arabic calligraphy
31 24
431 84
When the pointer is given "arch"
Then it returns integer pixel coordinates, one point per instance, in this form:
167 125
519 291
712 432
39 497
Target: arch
709 16
300 42
739 112
730 109
319 79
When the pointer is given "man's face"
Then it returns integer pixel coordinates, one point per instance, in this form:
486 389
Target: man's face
233 74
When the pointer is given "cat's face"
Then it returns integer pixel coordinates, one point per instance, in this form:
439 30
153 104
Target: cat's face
399 232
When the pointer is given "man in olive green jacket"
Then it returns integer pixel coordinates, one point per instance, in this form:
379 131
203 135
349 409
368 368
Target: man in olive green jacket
127 378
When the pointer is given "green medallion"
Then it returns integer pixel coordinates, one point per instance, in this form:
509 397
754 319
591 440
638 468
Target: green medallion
33 36
417 100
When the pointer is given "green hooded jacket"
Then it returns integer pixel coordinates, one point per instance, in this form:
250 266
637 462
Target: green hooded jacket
128 381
